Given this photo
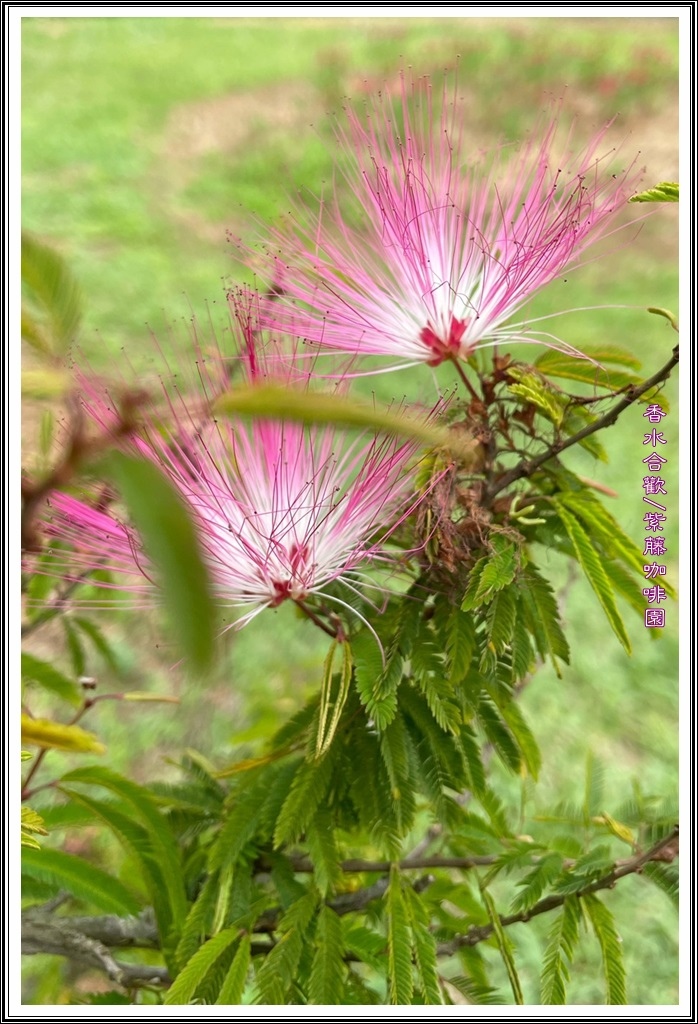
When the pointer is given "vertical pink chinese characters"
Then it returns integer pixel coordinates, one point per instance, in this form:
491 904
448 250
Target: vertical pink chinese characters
655 546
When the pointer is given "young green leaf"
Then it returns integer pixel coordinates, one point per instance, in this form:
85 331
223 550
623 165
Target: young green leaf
333 696
41 732
663 192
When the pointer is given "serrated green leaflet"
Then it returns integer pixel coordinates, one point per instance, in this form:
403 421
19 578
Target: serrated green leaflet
234 983
604 927
400 977
278 971
193 974
326 984
559 952
663 192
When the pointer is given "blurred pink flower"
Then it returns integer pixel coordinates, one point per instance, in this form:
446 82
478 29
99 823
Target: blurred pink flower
435 257
281 509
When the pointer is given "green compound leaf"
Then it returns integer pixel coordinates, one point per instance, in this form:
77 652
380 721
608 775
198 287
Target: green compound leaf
424 945
279 970
377 687
498 572
326 984
663 192
531 390
82 879
563 938
234 983
400 980
590 561
604 926
310 784
323 852
195 972
666 878
146 814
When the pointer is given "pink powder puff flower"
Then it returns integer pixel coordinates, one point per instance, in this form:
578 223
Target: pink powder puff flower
281 509
444 254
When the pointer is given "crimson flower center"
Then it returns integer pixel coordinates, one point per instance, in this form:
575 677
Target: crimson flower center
298 562
442 348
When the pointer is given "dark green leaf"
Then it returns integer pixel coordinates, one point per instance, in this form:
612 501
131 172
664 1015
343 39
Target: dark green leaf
310 784
323 852
534 884
542 616
170 541
82 879
50 678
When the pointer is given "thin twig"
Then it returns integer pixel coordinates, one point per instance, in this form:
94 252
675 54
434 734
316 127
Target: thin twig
304 866
528 467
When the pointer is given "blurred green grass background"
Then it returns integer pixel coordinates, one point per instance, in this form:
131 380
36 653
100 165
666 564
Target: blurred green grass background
145 140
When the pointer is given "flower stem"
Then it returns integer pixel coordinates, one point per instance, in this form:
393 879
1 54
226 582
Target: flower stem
334 633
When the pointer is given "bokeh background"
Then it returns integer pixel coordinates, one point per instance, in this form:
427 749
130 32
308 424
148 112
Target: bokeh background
147 140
